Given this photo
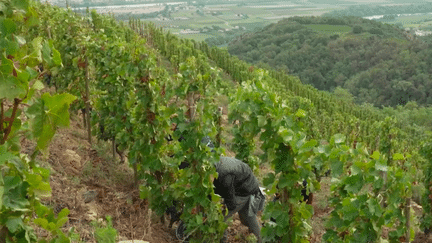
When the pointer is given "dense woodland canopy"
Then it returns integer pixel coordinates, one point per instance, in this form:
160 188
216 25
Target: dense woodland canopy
377 63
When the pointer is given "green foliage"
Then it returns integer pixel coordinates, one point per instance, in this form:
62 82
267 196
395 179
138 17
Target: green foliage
343 94
137 101
411 114
325 116
132 103
131 97
203 217
261 113
426 221
49 112
362 207
106 234
357 29
376 63
22 181
329 29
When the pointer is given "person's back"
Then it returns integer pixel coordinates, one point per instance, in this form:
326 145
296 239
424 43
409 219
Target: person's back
239 188
245 183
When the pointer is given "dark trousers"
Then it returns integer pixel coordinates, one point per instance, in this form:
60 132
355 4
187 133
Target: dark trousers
242 207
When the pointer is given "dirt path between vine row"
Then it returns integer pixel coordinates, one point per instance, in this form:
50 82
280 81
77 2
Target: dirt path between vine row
91 185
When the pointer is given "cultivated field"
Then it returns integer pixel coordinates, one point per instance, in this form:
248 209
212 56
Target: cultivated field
415 21
232 19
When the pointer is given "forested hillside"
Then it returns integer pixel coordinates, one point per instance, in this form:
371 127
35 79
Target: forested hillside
375 62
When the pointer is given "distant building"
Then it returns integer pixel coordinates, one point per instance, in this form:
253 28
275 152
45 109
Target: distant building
189 31
422 32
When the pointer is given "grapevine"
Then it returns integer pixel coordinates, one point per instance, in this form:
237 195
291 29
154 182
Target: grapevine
24 110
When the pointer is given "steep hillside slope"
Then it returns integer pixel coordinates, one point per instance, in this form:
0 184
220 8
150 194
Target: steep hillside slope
139 83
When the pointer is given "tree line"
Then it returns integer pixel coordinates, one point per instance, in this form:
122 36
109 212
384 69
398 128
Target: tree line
375 62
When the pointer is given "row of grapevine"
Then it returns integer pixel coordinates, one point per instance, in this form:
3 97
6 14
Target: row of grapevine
25 111
261 113
369 191
249 114
137 101
426 221
368 195
359 126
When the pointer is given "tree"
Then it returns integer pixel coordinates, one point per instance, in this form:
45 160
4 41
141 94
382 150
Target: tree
344 94
357 29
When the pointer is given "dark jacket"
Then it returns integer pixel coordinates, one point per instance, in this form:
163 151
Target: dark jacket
235 179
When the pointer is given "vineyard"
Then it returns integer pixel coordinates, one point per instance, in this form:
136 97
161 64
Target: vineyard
133 81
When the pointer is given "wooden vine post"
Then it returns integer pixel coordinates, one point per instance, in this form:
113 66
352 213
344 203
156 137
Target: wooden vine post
49 32
1 120
408 216
87 102
84 119
113 148
191 111
5 131
219 126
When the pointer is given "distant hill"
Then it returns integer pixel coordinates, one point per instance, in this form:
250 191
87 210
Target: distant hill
378 63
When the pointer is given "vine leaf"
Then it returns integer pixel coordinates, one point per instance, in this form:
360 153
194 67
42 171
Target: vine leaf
51 55
354 183
308 146
336 168
7 26
15 192
339 138
261 120
269 179
13 224
20 40
4 156
6 65
36 55
24 5
398 156
349 211
63 213
300 113
41 222
11 87
49 112
375 155
381 166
